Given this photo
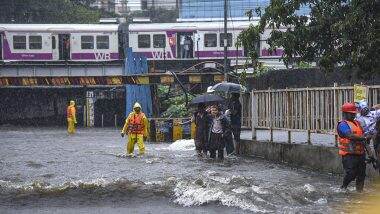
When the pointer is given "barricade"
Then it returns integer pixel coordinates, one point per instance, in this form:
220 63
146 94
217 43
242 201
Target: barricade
170 130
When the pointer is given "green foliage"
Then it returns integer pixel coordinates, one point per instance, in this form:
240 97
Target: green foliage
243 78
162 90
176 111
174 106
250 40
261 70
337 33
303 65
49 11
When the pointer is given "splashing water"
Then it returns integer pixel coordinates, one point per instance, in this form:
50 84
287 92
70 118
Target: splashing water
42 169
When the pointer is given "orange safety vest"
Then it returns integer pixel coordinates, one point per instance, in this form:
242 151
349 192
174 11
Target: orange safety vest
70 113
347 146
136 123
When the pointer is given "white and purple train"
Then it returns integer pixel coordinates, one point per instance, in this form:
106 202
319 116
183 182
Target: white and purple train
106 42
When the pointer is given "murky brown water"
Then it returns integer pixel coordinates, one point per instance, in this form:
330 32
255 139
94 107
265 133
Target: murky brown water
43 170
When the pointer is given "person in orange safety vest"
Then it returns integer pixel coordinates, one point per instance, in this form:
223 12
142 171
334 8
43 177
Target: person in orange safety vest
352 147
136 126
71 117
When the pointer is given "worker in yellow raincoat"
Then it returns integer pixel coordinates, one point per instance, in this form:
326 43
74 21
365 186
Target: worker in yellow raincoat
71 117
136 126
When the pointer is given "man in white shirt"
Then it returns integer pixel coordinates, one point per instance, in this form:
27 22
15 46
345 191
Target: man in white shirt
368 118
182 46
370 121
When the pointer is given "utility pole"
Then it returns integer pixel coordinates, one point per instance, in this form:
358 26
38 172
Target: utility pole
225 41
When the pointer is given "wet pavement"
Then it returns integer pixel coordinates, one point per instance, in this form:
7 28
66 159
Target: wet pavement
43 170
296 137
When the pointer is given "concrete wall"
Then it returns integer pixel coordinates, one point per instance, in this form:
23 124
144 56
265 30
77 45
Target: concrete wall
319 158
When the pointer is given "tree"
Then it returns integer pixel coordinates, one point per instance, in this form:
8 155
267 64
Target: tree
335 33
49 11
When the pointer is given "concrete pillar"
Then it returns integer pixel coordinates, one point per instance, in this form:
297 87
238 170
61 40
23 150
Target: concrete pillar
90 109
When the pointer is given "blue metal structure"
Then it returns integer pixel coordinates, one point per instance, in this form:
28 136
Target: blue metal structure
135 65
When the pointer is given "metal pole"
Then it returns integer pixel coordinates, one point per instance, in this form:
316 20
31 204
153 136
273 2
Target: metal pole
198 49
225 41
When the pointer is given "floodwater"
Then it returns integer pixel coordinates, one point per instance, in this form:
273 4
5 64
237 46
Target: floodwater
43 170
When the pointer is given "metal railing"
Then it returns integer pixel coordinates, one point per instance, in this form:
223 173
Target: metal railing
313 110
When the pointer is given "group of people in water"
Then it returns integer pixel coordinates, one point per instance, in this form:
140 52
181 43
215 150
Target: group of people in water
217 130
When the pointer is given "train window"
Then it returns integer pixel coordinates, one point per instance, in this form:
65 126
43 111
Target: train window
35 42
102 42
19 42
159 40
210 39
229 40
87 42
144 41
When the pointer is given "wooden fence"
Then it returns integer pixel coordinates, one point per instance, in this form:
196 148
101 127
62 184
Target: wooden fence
246 110
314 110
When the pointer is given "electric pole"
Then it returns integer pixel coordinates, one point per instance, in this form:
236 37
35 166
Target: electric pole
225 41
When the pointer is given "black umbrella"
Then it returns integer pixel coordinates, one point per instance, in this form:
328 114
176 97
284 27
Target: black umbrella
229 87
207 98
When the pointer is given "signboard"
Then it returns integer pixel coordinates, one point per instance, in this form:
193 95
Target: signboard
164 130
360 93
90 109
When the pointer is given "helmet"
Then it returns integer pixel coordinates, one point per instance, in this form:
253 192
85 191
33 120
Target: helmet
349 108
136 105
72 102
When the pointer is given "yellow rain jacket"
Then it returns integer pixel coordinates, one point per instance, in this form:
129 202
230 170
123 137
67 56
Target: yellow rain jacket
71 118
136 126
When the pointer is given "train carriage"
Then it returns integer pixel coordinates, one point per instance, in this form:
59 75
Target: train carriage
55 42
106 42
205 40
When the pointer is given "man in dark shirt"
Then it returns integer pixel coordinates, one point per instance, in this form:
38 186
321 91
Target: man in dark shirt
235 109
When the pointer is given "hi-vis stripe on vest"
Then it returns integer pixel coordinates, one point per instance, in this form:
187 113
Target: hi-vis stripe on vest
347 146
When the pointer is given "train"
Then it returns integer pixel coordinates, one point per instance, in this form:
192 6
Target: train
107 42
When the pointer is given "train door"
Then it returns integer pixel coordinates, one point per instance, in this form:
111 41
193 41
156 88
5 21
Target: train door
185 49
54 46
64 46
1 46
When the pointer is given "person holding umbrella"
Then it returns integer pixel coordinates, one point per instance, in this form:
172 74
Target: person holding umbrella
202 120
234 111
235 114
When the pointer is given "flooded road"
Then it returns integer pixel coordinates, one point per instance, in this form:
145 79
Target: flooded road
43 170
